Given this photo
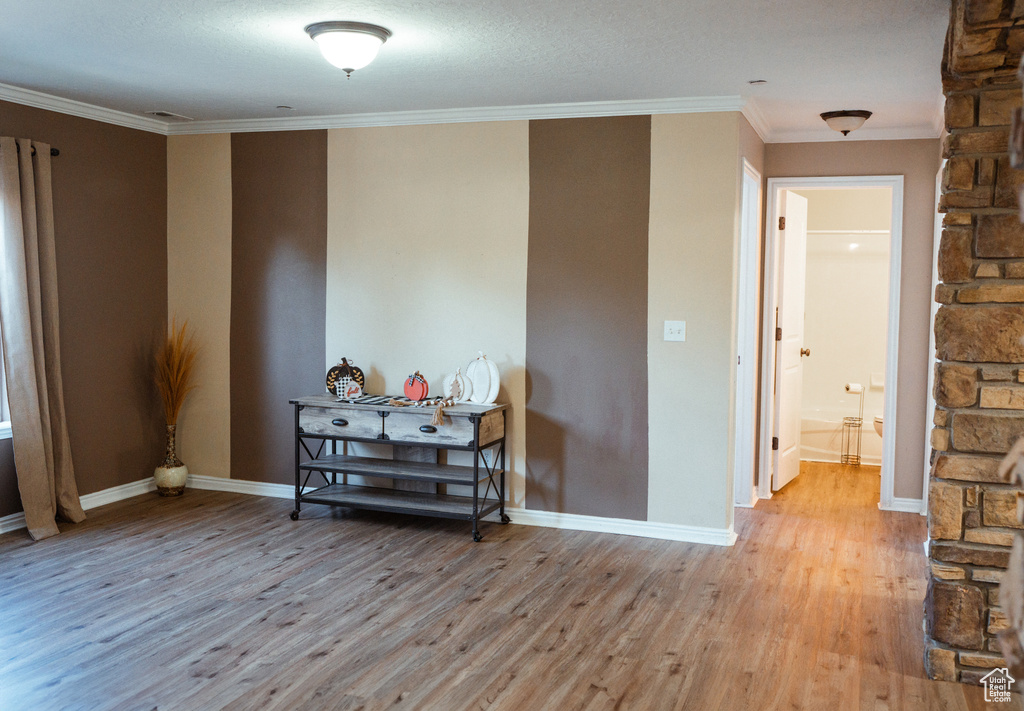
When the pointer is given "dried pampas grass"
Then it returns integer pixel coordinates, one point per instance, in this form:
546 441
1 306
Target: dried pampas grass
175 369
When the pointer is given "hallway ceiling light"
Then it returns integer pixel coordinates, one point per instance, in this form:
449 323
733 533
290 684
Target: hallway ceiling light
846 120
348 45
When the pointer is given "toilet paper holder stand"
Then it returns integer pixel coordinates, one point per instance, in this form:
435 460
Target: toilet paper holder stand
852 428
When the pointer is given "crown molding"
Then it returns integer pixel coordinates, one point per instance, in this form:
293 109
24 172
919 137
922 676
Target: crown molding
39 100
687 105
827 135
701 104
757 120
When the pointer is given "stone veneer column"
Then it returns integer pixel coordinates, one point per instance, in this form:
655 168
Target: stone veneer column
979 386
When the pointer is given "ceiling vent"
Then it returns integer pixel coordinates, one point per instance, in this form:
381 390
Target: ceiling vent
169 115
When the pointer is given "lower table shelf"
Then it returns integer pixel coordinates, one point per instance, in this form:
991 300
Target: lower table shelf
398 501
414 471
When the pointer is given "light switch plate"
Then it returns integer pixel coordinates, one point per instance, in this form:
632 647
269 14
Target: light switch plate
675 330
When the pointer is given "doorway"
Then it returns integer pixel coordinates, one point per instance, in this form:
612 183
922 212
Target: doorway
790 227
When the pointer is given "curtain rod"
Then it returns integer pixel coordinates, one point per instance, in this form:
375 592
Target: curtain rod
53 151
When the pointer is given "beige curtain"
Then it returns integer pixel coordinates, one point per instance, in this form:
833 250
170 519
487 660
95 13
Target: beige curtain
31 344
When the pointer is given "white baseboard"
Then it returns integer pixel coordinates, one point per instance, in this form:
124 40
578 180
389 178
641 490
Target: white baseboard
906 506
526 517
118 493
622 526
90 501
748 504
241 486
12 522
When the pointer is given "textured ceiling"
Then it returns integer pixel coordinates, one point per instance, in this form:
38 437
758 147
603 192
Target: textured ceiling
240 59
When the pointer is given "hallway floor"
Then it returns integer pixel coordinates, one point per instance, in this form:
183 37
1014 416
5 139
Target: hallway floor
857 579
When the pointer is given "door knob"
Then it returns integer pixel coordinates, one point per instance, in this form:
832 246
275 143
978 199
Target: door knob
805 352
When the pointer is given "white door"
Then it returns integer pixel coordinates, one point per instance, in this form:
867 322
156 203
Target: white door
789 371
746 340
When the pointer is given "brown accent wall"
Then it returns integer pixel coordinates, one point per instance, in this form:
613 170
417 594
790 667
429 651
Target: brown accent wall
918 162
110 216
278 293
586 316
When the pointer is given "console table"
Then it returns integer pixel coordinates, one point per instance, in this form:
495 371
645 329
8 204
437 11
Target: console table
419 481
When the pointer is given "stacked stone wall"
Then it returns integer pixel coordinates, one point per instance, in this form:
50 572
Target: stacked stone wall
979 384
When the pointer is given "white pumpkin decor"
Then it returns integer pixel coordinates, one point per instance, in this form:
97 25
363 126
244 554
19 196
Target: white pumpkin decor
457 386
483 375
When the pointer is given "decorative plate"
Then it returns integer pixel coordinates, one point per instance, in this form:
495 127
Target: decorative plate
344 369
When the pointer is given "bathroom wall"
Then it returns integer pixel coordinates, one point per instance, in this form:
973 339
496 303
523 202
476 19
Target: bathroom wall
917 161
847 300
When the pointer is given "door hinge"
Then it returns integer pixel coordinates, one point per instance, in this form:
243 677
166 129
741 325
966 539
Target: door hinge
782 223
778 333
775 444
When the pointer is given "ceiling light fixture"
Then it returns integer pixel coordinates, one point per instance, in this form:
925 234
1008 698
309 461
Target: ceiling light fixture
845 121
348 45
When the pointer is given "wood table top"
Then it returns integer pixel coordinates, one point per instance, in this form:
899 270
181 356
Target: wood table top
464 409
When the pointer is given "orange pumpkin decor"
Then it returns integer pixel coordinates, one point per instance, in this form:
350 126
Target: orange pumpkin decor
416 387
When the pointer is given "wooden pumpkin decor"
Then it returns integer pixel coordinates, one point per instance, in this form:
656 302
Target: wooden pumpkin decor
348 388
457 387
344 369
416 387
483 374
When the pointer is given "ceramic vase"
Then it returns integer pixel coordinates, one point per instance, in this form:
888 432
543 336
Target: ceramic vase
171 475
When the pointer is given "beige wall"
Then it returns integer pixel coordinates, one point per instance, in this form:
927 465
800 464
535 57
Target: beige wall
751 145
918 162
426 257
199 289
693 232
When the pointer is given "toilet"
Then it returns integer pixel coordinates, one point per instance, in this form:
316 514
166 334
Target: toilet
878 425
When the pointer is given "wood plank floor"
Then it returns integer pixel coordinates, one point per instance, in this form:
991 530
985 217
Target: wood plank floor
219 601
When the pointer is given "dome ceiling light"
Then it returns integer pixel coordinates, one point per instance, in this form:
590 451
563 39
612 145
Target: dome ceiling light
348 45
845 121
